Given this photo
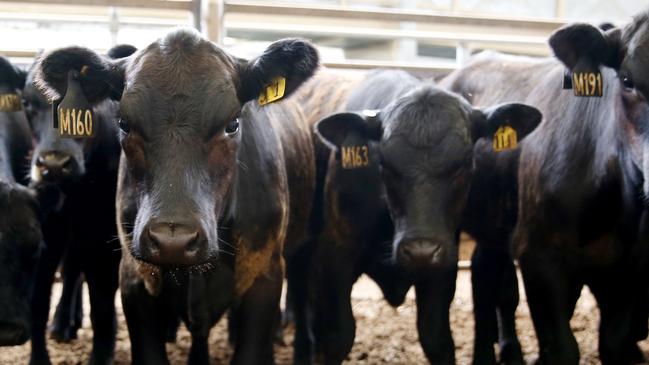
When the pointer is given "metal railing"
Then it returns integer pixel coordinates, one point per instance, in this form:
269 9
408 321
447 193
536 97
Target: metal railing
217 18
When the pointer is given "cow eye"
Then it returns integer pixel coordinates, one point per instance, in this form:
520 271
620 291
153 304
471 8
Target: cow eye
123 125
628 83
232 127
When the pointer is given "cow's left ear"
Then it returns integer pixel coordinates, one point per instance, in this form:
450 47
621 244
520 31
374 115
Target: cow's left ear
520 117
582 45
296 60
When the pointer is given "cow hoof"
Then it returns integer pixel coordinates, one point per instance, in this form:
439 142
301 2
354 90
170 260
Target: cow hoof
97 360
40 359
63 334
511 354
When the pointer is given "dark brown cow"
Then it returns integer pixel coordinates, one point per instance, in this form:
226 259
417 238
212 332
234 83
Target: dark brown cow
582 177
20 226
206 186
395 189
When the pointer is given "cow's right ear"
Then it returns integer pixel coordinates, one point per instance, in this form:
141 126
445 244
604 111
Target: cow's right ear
583 46
102 77
11 76
334 129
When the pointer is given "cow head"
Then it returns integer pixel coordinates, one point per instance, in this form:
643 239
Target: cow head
426 140
626 51
181 122
58 160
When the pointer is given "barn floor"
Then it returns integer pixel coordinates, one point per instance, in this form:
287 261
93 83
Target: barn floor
384 334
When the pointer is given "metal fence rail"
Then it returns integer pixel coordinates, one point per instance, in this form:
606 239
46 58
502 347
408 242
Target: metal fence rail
217 18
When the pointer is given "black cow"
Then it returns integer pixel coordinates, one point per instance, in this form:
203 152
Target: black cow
68 316
490 218
582 178
84 229
20 211
417 152
207 183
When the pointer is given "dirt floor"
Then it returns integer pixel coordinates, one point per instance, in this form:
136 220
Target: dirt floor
384 335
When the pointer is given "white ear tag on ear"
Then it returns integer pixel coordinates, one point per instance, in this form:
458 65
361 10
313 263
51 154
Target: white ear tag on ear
505 138
273 92
370 113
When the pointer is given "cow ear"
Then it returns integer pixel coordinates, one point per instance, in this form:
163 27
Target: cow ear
523 119
582 45
121 51
11 76
101 78
293 59
334 129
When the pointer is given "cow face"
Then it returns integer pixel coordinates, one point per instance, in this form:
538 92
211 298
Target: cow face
55 159
181 122
426 143
584 47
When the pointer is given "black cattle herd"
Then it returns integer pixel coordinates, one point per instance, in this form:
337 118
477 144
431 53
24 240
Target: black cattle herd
197 182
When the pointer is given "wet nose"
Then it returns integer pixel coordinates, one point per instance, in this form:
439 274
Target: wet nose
422 254
174 244
55 165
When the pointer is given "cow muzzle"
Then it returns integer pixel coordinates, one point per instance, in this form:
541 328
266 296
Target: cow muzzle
174 244
55 167
423 254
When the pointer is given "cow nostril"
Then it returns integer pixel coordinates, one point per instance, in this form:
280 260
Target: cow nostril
173 243
66 162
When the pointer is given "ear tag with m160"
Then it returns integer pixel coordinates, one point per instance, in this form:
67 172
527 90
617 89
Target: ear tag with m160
74 117
273 92
10 102
505 138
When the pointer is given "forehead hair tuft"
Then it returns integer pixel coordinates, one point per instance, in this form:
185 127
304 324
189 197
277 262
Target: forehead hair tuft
426 116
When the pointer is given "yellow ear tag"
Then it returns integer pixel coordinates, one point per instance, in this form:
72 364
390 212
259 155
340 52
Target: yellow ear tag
273 92
10 103
505 138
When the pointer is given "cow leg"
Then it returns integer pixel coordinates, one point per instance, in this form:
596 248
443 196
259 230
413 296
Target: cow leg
173 324
47 265
102 285
485 285
335 325
256 318
615 300
510 348
434 296
147 321
297 273
69 312
551 295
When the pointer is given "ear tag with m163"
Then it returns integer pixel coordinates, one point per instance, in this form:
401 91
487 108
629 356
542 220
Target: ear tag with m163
74 117
584 84
273 92
505 138
10 102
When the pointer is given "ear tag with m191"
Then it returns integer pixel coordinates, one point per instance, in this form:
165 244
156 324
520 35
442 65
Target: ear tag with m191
505 138
10 102
584 83
273 92
74 112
